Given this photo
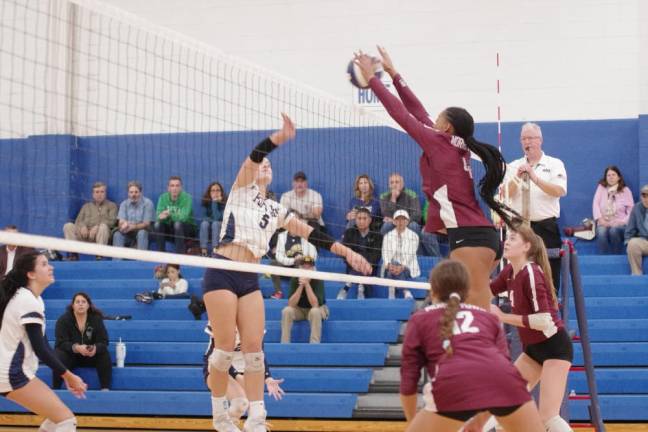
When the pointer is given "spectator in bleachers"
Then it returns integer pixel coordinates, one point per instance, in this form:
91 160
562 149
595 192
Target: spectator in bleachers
399 253
10 253
213 204
305 201
636 233
611 209
547 180
172 286
290 252
306 301
174 216
134 219
94 222
363 196
367 243
82 340
399 198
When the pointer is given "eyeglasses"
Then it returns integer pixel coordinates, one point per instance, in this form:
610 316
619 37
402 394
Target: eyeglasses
644 194
529 138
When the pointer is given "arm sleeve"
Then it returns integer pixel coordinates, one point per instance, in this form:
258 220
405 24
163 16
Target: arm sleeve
160 206
121 214
387 249
181 287
536 291
560 176
42 348
631 227
627 203
101 336
63 339
411 102
412 360
81 217
149 212
186 209
499 284
111 217
420 132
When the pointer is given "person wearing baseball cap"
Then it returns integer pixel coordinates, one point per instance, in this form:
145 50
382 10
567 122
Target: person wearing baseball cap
306 300
399 253
307 202
636 233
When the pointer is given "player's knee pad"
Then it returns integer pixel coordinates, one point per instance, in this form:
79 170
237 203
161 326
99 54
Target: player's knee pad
254 362
68 425
237 407
47 426
221 360
557 424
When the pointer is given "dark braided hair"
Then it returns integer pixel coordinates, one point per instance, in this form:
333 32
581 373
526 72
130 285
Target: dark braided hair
492 159
16 278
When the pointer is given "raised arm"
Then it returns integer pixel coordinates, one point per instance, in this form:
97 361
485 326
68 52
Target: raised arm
415 128
411 102
323 240
248 172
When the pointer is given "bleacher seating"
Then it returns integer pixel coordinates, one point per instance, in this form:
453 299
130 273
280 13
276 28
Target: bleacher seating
334 379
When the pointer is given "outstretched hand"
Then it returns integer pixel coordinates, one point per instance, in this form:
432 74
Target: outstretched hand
387 63
358 263
366 63
287 131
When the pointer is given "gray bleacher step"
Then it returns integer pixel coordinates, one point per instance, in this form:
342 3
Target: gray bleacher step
387 380
380 405
394 352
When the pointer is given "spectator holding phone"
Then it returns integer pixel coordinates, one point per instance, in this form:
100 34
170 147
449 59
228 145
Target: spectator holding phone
82 340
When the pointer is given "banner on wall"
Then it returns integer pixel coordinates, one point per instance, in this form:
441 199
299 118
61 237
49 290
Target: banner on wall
367 99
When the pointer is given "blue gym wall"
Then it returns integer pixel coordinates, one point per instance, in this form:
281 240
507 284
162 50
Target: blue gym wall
44 176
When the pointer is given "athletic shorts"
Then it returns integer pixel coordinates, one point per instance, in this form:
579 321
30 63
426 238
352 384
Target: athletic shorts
464 416
240 283
557 347
475 237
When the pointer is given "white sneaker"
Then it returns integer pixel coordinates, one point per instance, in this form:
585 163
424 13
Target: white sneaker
407 294
342 294
361 295
223 423
257 424
391 293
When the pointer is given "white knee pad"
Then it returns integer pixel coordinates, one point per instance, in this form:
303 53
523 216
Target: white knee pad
68 425
557 424
47 426
221 360
254 362
237 408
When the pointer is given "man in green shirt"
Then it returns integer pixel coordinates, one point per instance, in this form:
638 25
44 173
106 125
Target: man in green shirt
174 216
306 300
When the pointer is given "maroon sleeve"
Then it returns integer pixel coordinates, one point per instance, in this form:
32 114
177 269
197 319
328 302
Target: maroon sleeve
499 284
411 102
536 291
426 137
412 359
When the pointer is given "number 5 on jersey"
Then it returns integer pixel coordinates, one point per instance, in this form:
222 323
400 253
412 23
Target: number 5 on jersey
264 220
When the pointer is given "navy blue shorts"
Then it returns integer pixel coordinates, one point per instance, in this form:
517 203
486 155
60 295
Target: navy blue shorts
240 283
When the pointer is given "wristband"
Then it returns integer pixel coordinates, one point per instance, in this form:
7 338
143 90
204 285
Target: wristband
262 150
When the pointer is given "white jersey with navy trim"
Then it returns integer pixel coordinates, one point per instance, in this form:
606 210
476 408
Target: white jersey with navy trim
18 362
250 219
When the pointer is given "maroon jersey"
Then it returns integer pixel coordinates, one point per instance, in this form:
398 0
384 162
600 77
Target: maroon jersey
444 164
529 294
478 375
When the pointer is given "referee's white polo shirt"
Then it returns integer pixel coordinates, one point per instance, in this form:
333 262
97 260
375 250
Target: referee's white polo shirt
543 205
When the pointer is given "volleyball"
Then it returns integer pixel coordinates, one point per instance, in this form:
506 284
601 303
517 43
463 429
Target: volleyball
355 75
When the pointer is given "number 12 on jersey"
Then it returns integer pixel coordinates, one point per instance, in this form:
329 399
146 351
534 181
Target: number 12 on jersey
463 323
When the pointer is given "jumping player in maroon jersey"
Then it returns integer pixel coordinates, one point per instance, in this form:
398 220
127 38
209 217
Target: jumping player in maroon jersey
548 350
447 177
464 351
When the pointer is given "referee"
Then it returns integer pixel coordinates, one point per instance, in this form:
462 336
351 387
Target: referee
547 184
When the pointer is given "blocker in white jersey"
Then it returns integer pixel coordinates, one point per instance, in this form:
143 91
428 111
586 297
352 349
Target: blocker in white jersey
251 219
18 362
